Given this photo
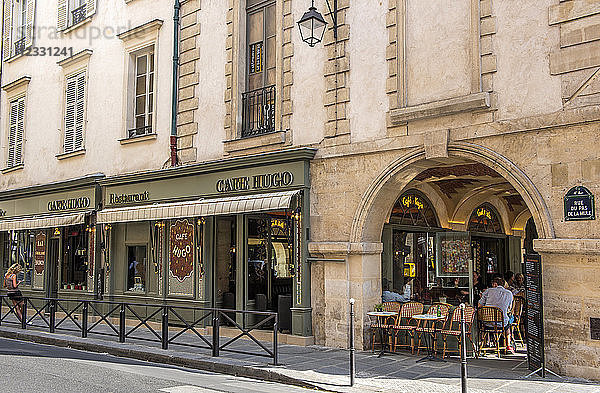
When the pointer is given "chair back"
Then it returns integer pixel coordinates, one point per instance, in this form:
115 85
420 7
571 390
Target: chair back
444 309
391 306
469 317
411 308
517 306
491 316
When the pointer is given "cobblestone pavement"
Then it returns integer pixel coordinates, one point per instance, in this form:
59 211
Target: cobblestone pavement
314 366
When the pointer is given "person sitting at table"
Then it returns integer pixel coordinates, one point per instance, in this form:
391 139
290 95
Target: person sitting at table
498 296
509 278
519 286
394 296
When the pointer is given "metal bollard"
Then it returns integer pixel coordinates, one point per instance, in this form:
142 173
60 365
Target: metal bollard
165 328
122 323
352 352
52 315
275 344
24 314
215 334
84 320
463 349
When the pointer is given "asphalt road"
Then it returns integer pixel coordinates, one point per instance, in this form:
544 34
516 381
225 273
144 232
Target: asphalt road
29 367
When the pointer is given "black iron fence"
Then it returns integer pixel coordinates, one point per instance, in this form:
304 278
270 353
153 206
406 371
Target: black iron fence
258 112
20 46
78 14
125 321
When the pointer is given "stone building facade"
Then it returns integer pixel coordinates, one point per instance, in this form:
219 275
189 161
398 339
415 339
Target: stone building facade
465 103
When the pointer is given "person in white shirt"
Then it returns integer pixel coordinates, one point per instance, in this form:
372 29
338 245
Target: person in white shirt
392 296
498 296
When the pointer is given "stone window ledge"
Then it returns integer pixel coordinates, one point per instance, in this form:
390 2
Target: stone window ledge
141 138
64 156
78 25
253 142
468 103
13 169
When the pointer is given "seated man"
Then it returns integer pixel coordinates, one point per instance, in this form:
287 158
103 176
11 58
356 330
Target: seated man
498 296
394 296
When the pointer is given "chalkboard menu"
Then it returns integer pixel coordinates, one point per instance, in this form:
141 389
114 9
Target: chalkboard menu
535 314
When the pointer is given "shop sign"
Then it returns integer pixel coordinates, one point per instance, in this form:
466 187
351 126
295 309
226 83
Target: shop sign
69 204
579 204
181 249
3 213
121 199
40 252
413 201
255 182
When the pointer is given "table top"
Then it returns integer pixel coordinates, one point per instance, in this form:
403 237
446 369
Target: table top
382 313
429 317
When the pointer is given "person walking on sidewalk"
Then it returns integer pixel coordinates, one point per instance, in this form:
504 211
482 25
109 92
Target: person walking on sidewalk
12 286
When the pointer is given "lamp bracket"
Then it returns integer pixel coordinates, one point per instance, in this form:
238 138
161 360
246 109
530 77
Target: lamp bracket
333 14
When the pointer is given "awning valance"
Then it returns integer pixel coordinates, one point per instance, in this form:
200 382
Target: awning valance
199 208
58 220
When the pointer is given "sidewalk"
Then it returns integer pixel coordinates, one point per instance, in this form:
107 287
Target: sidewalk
324 368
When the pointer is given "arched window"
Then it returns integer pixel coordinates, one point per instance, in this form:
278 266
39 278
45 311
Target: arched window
485 219
413 209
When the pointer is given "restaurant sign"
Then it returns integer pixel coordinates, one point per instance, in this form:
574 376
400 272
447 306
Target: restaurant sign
579 204
181 250
40 252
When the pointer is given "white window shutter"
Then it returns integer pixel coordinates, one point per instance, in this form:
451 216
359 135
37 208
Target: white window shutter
30 23
91 8
6 42
20 131
70 114
62 15
12 134
80 110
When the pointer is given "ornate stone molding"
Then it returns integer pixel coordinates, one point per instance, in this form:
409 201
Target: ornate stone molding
567 246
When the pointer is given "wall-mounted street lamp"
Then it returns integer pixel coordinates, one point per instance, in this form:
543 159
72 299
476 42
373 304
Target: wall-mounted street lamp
312 24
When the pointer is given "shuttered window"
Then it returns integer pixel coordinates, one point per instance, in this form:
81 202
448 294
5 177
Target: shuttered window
72 12
16 131
144 94
75 112
18 30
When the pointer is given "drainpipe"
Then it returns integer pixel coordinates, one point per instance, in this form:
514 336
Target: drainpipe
176 25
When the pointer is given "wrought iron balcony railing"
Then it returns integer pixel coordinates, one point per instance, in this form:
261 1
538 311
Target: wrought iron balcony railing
258 112
20 46
78 14
139 131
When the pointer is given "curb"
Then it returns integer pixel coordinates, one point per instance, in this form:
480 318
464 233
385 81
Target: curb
220 368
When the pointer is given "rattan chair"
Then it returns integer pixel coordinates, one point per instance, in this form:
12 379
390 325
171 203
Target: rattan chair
453 329
517 312
490 325
406 324
377 323
439 325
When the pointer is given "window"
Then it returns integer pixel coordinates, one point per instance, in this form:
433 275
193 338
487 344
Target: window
16 131
485 219
75 261
144 93
19 247
18 26
259 100
74 112
136 268
74 12
413 209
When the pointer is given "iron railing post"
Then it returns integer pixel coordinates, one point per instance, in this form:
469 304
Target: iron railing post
215 333
352 352
122 323
463 349
165 327
275 332
52 315
84 320
1 301
24 314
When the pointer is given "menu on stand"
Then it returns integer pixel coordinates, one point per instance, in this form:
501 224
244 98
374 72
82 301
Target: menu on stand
535 314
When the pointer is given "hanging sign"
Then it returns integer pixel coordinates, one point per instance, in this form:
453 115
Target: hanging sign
40 252
535 313
181 249
579 204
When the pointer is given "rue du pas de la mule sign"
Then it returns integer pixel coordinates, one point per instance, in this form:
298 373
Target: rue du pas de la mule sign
579 204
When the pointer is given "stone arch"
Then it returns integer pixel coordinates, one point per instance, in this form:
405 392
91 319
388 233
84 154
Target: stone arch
521 220
383 191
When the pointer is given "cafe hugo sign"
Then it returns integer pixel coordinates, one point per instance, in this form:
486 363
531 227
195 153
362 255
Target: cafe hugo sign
579 204
181 250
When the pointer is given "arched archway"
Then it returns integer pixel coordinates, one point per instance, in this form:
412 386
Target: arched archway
387 187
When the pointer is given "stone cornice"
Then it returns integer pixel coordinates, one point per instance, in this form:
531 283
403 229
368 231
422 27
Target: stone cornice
85 181
81 56
344 248
16 84
567 246
146 28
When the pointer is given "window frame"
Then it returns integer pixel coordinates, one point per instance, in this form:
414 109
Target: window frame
148 51
146 269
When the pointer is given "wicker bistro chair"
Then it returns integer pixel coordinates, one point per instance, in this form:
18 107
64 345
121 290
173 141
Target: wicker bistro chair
453 329
377 323
490 325
405 324
517 312
420 330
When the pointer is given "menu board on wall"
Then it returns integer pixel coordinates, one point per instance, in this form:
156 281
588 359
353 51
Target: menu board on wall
40 253
535 313
454 251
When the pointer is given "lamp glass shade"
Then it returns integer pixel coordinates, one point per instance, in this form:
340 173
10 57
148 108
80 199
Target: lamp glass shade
312 27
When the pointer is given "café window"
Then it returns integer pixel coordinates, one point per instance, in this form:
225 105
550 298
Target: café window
136 268
19 247
75 258
485 219
413 209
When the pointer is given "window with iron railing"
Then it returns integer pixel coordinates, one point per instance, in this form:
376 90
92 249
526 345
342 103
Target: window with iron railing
258 112
73 12
18 26
143 93
78 14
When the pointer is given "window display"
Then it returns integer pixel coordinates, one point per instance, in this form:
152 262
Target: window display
136 268
75 258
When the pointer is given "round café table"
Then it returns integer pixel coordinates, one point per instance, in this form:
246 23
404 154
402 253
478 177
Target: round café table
425 321
382 317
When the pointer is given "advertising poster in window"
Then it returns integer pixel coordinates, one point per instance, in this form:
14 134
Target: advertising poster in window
39 260
454 251
181 258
